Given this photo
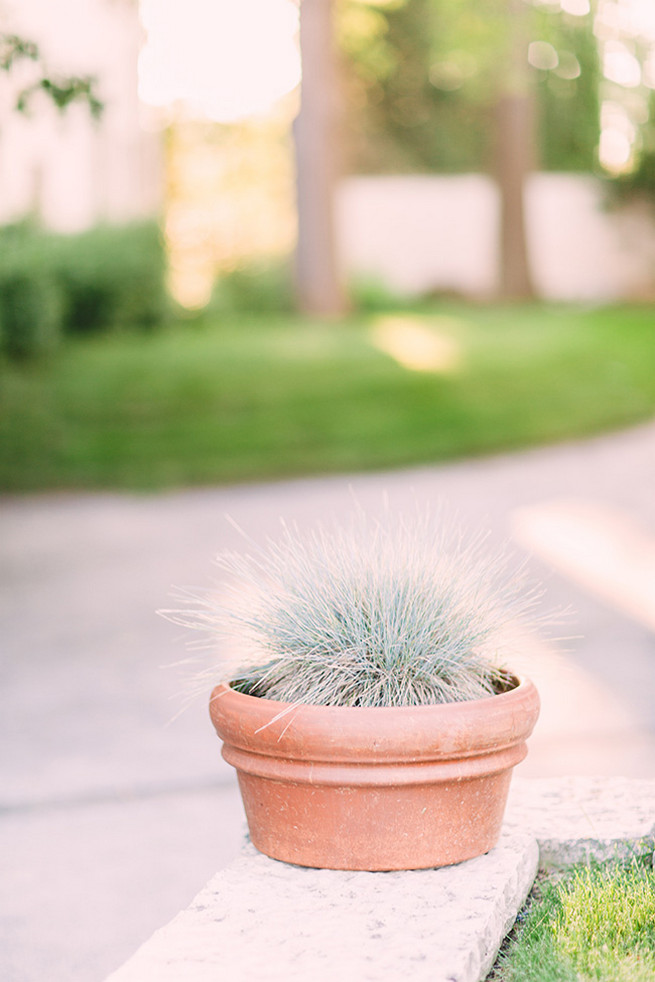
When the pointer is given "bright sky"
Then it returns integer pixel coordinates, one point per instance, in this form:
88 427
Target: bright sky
227 59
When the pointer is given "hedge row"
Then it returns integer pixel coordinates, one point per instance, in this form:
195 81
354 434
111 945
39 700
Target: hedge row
52 285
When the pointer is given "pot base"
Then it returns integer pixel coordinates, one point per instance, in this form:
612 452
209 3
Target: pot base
390 828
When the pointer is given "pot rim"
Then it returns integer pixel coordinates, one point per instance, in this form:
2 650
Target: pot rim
371 733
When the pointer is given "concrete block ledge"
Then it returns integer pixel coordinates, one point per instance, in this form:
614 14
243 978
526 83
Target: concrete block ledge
261 920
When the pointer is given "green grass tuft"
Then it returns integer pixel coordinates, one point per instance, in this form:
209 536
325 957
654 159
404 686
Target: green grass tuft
606 923
595 925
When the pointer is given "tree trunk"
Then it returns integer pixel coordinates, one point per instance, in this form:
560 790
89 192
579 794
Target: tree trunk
515 157
318 283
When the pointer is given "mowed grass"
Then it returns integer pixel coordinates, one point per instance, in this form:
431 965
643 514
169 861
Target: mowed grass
596 925
273 396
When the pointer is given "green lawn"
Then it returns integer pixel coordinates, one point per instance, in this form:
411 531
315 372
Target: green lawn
596 924
272 396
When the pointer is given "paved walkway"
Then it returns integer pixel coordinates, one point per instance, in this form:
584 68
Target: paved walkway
113 816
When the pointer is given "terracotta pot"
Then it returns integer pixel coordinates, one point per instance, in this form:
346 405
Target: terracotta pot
375 789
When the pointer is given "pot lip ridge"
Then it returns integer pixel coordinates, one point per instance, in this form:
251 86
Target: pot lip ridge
418 731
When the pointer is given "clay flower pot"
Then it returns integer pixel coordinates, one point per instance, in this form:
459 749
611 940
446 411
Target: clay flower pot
375 788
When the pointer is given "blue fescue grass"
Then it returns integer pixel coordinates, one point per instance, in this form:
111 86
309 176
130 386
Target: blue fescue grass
392 612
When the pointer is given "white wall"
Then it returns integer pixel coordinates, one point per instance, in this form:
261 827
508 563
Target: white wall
423 233
63 166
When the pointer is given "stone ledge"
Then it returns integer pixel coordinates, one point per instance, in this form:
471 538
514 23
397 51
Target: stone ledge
261 920
575 819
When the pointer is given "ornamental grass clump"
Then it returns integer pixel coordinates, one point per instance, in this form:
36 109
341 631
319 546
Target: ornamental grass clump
388 613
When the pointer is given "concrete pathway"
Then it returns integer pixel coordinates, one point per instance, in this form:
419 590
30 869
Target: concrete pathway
114 814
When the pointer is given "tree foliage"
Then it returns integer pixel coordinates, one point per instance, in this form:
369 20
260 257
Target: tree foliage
61 90
422 77
568 94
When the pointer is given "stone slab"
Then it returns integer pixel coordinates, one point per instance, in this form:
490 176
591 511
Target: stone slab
577 819
260 919
264 920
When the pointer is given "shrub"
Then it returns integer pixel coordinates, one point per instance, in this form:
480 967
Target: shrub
254 289
112 276
371 294
30 315
31 298
53 284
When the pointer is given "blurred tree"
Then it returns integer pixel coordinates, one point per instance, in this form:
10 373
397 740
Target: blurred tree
547 117
515 151
422 78
566 64
414 99
626 38
61 90
459 85
319 287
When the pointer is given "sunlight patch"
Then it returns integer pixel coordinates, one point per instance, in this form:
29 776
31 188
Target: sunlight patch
602 549
416 346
